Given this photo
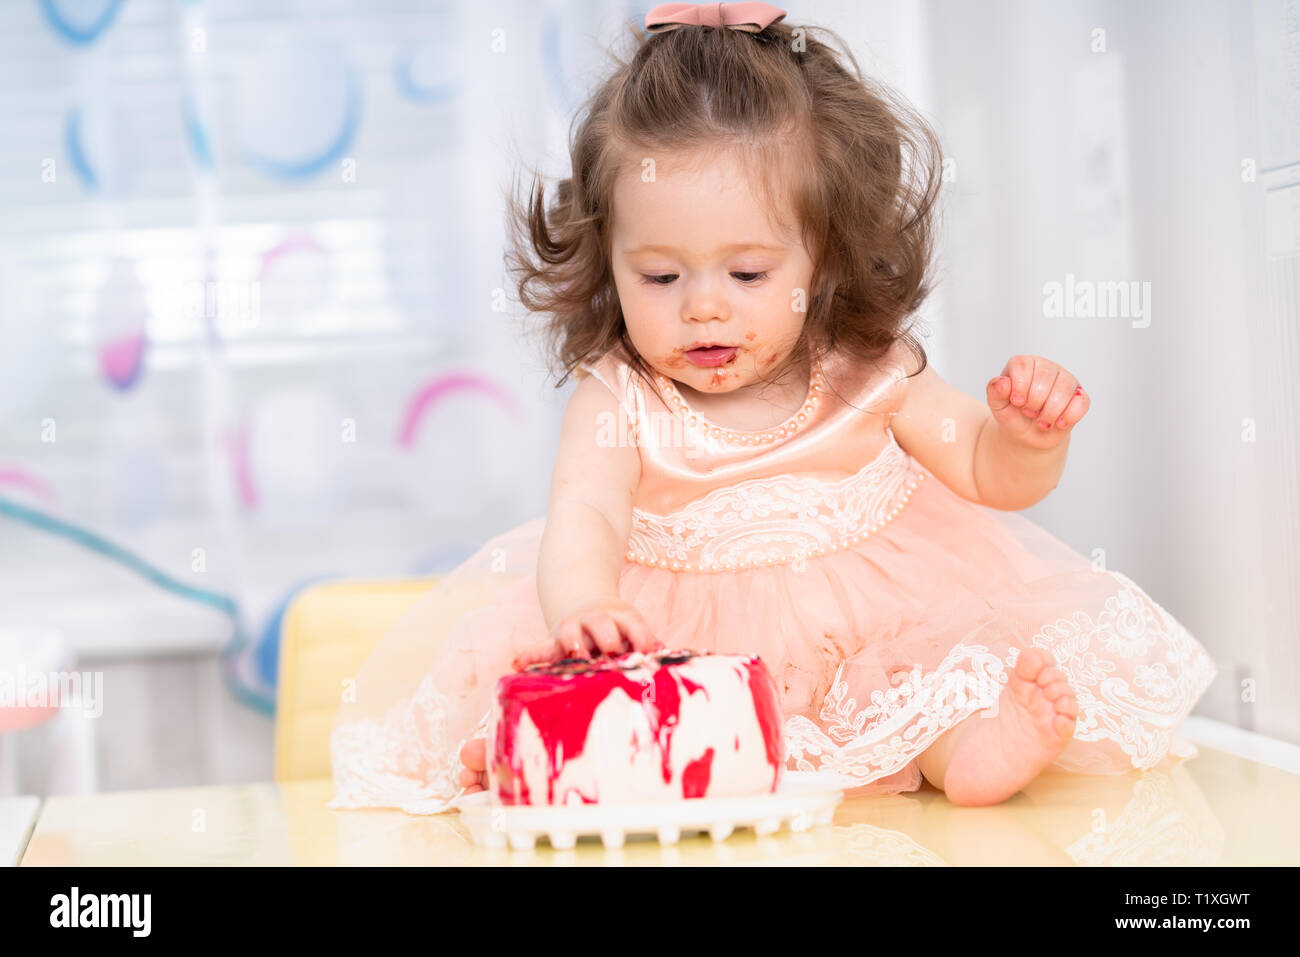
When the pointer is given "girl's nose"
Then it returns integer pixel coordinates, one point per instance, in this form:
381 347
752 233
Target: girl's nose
705 300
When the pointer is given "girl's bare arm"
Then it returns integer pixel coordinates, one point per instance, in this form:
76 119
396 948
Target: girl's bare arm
588 520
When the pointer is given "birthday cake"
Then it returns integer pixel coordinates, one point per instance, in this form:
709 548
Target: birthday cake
635 728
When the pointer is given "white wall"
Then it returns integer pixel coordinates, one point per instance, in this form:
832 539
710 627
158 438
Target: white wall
1127 165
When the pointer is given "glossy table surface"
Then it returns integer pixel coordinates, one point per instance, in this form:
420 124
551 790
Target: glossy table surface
17 817
1214 808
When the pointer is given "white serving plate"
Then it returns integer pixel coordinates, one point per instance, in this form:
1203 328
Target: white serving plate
805 799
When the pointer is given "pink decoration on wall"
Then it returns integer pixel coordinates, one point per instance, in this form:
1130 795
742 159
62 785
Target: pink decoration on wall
28 482
121 324
297 242
293 276
236 441
438 389
122 359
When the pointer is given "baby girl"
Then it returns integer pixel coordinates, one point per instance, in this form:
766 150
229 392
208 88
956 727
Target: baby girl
758 458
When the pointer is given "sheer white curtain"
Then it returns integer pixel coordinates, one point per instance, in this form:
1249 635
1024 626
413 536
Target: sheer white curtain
257 327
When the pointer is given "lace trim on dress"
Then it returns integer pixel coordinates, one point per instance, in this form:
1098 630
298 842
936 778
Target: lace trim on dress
1131 625
375 766
897 725
776 521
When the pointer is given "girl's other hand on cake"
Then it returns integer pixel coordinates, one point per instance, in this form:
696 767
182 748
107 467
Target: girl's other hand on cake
608 626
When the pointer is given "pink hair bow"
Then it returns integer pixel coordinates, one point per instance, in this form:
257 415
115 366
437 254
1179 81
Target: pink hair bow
751 16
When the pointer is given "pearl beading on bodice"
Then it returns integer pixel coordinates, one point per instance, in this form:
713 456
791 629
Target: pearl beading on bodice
678 405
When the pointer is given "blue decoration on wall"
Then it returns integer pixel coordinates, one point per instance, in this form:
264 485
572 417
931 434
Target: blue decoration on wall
351 120
195 134
235 649
82 35
409 87
76 154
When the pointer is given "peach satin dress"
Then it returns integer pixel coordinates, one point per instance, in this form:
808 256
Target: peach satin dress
886 607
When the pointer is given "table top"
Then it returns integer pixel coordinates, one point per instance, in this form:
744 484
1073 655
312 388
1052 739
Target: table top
17 816
1213 808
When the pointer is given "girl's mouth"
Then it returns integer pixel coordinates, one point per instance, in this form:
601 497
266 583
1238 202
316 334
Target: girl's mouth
711 356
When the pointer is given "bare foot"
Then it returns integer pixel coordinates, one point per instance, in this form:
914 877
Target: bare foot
996 756
473 776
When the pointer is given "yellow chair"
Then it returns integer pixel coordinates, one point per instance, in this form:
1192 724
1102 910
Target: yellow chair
328 631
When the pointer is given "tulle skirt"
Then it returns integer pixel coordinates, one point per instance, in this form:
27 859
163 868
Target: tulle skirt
877 650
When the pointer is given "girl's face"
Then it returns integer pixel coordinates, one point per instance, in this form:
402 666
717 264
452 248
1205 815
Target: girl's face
712 296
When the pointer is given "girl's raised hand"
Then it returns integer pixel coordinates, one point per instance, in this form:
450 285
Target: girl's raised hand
1036 400
605 627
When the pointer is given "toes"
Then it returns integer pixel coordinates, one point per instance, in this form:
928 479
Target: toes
1063 725
1055 689
1053 677
1036 665
1031 661
1061 695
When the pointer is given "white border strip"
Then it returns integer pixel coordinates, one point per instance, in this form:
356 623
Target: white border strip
1242 743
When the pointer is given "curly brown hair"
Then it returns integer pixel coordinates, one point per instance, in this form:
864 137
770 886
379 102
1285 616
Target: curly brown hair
866 213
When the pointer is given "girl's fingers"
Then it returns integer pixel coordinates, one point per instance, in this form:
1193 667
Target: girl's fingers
1014 414
569 636
598 633
638 635
626 636
630 626
601 632
1057 400
1020 370
604 632
1012 419
1074 409
586 644
999 401
1040 386
998 393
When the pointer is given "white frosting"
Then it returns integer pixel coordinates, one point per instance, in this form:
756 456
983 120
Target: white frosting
619 761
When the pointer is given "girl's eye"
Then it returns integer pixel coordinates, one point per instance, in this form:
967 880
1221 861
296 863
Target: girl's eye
746 277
